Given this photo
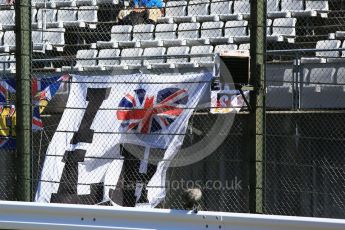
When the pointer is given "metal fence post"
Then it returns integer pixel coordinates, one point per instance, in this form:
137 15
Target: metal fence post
23 98
257 129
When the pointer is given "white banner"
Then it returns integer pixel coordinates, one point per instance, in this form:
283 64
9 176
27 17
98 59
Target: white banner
84 163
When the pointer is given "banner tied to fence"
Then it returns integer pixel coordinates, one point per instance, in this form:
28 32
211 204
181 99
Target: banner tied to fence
83 162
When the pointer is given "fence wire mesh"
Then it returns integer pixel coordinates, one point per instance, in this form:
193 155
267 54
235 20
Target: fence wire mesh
303 170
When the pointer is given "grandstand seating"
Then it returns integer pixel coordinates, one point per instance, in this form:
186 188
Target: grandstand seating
108 53
279 90
187 28
325 56
318 89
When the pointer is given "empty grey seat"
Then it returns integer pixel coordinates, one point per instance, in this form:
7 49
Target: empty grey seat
54 37
322 56
269 26
166 31
120 36
4 62
199 61
108 53
153 51
86 54
222 48
319 89
279 97
12 66
296 8
121 33
86 2
292 5
319 75
107 2
244 46
283 28
188 30
33 16
48 17
143 32
83 64
7 19
316 5
68 17
43 4
176 8
340 77
178 50
167 34
340 34
212 29
279 75
195 9
37 40
223 9
198 7
1 36
61 3
273 10
237 30
3 49
134 53
88 14
10 39
279 86
173 9
242 7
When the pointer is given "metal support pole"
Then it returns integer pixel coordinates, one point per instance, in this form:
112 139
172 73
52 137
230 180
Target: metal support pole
257 98
23 99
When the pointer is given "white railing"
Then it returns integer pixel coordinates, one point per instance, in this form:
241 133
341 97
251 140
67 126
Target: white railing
21 215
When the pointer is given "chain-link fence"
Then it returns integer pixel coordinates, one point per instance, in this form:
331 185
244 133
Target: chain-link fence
138 48
304 168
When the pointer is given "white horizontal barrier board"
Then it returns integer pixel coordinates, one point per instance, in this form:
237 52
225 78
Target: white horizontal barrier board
21 215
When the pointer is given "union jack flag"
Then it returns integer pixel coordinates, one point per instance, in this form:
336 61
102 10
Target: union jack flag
145 113
6 91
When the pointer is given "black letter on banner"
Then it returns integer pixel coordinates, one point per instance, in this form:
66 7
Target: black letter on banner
124 193
67 192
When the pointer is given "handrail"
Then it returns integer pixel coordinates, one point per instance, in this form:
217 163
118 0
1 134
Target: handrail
21 215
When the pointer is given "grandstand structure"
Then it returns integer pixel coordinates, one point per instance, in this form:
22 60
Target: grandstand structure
304 85
66 31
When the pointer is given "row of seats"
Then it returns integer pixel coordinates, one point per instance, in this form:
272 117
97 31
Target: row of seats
70 3
325 53
148 35
205 10
7 63
194 33
318 86
109 58
47 40
63 17
309 74
69 17
153 57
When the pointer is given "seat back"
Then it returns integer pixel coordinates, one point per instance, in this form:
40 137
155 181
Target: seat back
165 31
235 28
108 53
86 54
176 8
212 29
188 30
